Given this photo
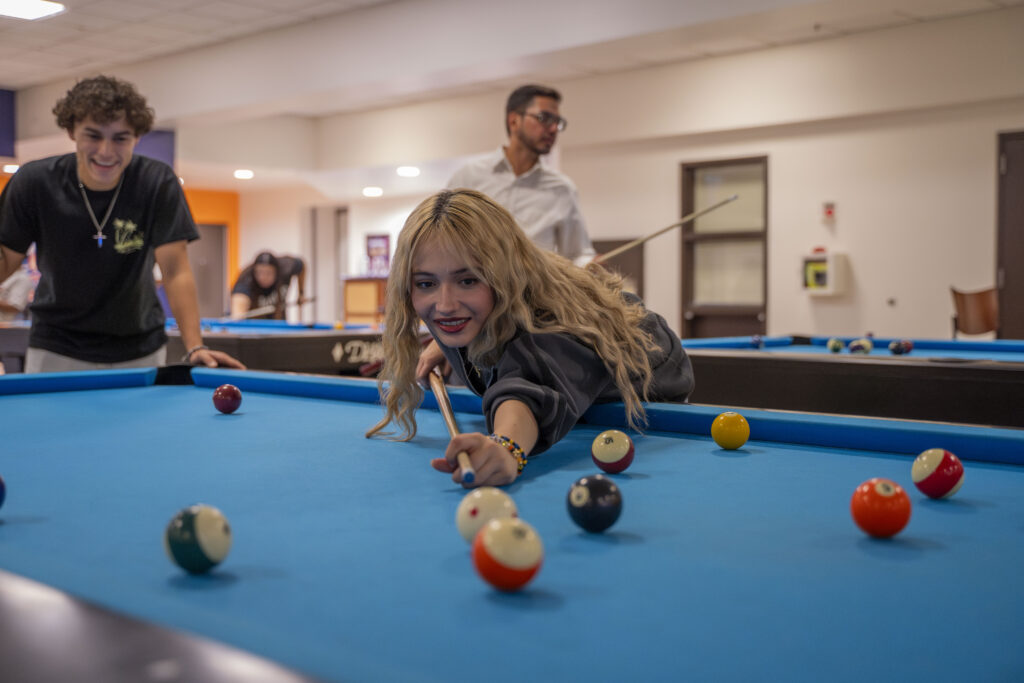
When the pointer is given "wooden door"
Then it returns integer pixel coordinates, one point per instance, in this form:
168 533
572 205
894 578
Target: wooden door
1010 240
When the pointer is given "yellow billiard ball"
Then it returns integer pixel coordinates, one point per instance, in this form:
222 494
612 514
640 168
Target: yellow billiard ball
730 430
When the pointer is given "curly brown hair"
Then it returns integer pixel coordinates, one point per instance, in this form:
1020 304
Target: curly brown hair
105 99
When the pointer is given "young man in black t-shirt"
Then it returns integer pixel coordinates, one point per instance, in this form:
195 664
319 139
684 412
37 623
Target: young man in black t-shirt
99 219
261 289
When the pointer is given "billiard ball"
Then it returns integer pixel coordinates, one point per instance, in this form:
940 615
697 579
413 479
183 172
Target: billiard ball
507 553
835 345
612 451
3 491
480 506
730 430
227 398
908 345
756 341
198 538
897 348
338 325
880 507
594 503
937 473
861 346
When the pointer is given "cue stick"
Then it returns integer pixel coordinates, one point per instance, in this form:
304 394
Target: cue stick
682 221
445 405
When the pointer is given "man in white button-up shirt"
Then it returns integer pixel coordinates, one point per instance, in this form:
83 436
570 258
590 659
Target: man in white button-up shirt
542 200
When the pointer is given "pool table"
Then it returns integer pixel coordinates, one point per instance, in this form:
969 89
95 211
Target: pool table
260 344
736 565
975 382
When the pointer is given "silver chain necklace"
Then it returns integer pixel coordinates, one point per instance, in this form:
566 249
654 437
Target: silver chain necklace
99 236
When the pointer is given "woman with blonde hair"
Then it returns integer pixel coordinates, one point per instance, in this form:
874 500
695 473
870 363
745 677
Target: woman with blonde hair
538 338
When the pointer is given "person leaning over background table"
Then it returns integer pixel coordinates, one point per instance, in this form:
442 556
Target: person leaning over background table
264 285
15 294
99 217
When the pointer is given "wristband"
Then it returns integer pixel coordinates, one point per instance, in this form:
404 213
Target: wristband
513 448
187 358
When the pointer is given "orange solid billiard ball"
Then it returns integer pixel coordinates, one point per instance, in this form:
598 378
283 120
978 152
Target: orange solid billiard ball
730 430
880 507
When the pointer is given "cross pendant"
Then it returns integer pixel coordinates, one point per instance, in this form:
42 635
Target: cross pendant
99 239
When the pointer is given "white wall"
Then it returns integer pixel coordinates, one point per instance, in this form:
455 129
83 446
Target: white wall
898 127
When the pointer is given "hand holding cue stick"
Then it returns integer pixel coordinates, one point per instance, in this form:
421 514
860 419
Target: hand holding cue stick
445 405
682 221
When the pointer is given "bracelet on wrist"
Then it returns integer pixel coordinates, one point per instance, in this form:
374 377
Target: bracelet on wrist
187 358
513 448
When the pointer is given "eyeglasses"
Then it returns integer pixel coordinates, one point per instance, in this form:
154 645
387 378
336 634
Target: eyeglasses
547 119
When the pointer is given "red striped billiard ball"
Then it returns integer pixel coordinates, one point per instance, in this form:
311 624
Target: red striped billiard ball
937 473
507 553
612 451
227 398
880 507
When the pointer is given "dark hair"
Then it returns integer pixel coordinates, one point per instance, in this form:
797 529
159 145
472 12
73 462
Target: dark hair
105 99
522 96
265 257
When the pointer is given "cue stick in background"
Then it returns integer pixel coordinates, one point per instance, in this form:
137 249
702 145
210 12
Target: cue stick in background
445 405
682 221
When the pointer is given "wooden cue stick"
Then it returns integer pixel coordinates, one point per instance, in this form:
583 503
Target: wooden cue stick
682 221
445 405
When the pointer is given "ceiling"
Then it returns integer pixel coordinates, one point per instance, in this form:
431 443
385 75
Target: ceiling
97 35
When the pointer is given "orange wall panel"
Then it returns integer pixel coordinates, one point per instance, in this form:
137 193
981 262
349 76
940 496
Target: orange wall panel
215 207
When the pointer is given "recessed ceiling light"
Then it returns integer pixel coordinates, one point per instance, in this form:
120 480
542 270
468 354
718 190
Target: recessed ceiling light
244 174
29 9
10 168
373 191
407 171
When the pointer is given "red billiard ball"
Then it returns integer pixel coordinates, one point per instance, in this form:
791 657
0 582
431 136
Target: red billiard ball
937 473
227 398
612 451
507 553
730 430
880 507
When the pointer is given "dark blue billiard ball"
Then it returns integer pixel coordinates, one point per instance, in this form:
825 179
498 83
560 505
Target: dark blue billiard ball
756 341
594 503
3 491
897 348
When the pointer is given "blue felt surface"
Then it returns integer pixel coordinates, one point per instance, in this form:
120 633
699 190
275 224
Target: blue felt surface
726 566
1003 350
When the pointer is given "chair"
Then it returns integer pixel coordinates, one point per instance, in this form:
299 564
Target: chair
976 312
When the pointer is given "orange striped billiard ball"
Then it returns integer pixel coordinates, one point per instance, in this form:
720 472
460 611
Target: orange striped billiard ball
730 430
937 473
507 553
880 507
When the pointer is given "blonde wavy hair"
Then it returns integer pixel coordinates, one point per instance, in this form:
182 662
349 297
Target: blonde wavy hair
534 291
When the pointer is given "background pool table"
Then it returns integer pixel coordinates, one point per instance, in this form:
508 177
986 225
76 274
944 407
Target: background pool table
261 344
726 565
974 382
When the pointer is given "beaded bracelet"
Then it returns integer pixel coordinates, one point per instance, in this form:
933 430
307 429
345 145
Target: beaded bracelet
513 448
187 358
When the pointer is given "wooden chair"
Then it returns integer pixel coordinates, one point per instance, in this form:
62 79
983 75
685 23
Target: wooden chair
976 312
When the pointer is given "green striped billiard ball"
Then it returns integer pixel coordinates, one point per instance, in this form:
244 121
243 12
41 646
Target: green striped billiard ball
198 538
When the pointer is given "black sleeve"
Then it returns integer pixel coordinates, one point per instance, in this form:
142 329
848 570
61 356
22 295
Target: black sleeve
555 375
244 283
18 217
